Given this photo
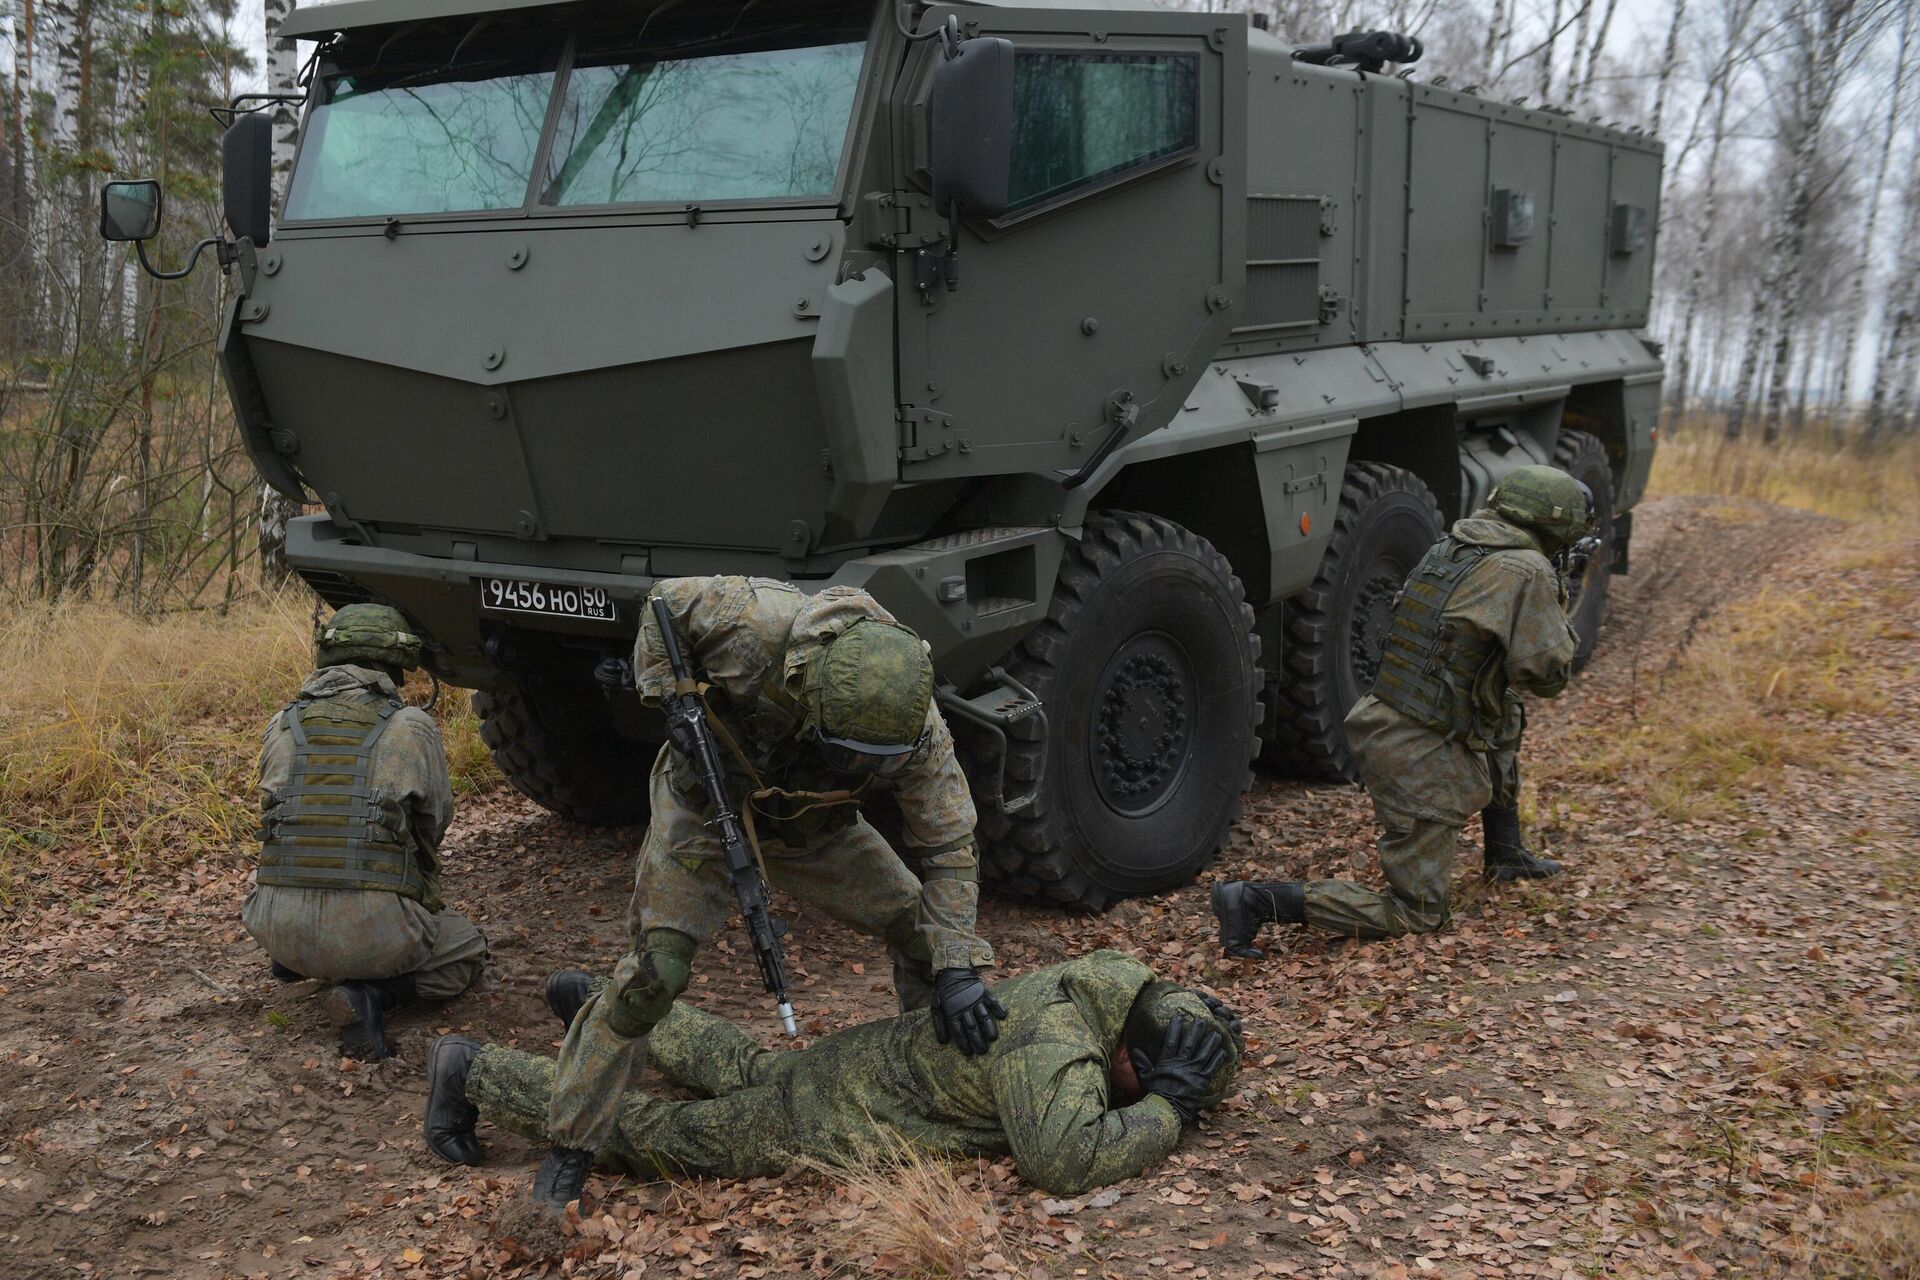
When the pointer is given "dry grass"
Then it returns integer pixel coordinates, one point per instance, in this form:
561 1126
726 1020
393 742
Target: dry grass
128 746
1759 688
1809 472
1755 694
911 1214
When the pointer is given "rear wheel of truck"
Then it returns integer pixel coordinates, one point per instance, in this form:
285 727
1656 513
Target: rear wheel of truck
1333 631
594 776
1585 459
1147 667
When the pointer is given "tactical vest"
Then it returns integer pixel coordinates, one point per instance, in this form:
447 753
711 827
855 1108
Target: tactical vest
1428 669
328 827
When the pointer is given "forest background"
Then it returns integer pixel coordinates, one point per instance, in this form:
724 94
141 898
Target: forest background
1788 293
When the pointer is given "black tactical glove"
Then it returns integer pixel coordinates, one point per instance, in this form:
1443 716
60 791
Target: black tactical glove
1183 1071
964 1011
1218 1008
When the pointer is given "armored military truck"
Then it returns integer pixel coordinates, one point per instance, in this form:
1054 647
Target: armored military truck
1131 356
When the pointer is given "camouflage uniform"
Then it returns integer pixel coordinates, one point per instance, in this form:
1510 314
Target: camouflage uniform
1040 1094
362 934
751 639
1425 784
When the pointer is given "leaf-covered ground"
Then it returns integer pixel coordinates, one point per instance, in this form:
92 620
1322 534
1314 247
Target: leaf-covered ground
1695 1054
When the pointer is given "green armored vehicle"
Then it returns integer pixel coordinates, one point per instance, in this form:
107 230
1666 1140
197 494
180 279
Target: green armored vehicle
1131 356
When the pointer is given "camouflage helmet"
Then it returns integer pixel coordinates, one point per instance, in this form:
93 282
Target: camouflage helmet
866 694
1154 1010
373 635
1547 502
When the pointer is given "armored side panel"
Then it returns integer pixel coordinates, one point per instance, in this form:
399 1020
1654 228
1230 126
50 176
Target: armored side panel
1565 211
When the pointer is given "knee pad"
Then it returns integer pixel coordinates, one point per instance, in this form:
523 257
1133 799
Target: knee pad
666 966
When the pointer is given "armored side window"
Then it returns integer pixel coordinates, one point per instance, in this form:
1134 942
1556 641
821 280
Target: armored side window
1086 119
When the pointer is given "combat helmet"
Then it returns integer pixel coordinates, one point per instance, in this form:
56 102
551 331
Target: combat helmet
373 635
1154 1010
1547 502
866 694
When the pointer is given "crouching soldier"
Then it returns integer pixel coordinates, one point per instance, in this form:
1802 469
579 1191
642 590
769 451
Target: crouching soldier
821 703
1098 1068
1438 738
354 800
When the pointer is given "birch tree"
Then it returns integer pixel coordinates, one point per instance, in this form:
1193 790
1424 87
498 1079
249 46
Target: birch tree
1823 42
1669 63
1857 289
283 65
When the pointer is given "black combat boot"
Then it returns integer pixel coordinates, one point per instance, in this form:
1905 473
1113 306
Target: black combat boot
360 1010
450 1118
562 1178
567 990
1508 857
1242 906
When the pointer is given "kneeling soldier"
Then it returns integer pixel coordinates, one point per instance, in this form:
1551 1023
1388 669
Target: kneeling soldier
1439 736
354 800
1098 1068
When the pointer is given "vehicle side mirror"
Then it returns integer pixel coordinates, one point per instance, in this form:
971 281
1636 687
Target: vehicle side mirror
246 177
970 126
130 210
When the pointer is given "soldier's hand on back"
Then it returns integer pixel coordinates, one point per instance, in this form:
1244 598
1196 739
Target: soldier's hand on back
965 1013
1183 1071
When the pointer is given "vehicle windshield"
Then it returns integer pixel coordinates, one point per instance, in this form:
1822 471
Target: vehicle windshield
732 102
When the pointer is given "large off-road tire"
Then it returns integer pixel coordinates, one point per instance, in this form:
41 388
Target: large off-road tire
1585 459
1334 629
593 776
1147 667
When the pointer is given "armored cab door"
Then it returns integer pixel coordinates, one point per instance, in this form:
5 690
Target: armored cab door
1092 306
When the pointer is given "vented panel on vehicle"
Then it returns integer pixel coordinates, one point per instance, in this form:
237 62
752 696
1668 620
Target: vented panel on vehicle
1283 263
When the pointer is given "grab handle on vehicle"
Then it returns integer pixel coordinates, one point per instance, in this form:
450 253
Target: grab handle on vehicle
1005 703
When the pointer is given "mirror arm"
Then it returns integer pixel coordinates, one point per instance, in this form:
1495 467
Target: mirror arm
223 252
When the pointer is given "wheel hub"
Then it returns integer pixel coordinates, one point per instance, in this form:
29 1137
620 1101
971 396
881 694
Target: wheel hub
1140 727
1372 615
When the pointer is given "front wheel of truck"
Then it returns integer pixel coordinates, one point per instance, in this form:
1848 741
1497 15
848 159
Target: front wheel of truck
1147 668
591 775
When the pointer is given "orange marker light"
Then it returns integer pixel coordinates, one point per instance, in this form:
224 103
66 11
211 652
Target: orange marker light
1306 522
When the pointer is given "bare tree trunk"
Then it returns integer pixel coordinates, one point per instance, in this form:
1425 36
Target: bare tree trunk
1857 290
1489 63
1669 61
283 65
1900 318
1584 95
1575 81
1820 45
1546 55
1719 91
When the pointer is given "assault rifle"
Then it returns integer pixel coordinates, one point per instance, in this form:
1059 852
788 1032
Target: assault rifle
688 731
1571 560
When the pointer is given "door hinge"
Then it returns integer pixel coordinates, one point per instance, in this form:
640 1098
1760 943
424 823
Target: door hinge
902 220
928 433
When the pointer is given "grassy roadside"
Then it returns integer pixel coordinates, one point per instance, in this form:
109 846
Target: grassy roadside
128 746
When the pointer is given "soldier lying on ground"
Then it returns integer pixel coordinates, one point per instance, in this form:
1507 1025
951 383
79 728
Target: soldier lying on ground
1439 735
354 800
1098 1066
822 701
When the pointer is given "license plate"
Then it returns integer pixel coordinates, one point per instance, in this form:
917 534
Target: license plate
510 595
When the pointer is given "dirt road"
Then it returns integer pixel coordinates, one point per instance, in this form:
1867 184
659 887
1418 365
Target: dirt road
1683 1057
